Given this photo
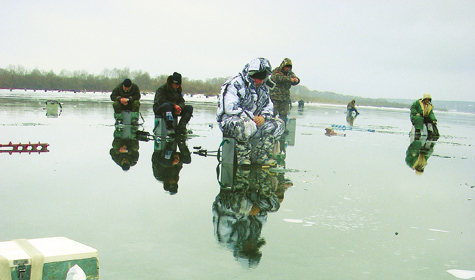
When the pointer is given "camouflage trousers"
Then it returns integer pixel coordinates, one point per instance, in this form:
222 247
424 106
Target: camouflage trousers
131 106
234 127
281 108
257 147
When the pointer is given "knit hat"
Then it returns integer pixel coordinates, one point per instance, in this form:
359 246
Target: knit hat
176 78
125 166
127 83
427 96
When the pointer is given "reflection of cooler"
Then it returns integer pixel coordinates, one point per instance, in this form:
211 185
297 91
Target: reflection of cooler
291 127
126 131
228 161
46 258
160 131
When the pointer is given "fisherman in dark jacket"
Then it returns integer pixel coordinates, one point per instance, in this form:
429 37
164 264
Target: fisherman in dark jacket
126 96
169 103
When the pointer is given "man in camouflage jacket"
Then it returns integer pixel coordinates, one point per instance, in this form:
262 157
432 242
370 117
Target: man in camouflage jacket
284 78
245 112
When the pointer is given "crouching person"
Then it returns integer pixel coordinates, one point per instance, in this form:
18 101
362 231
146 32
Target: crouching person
169 103
245 112
126 96
422 113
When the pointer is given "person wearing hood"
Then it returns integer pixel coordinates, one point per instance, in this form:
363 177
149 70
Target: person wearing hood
422 113
169 103
284 79
246 112
351 107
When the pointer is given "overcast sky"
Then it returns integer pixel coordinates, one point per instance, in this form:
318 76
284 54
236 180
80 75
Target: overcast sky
377 49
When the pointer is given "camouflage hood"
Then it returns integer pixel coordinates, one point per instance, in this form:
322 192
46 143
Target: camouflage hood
284 63
254 66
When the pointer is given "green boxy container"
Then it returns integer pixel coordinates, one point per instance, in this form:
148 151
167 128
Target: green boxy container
46 259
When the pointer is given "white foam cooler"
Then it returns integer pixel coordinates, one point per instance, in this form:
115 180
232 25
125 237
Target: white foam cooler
46 258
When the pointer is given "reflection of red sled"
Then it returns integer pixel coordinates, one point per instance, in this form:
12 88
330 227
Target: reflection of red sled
24 148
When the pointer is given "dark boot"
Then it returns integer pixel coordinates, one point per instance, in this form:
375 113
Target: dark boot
181 127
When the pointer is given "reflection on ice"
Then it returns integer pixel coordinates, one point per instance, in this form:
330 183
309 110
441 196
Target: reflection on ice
167 162
240 210
295 221
125 147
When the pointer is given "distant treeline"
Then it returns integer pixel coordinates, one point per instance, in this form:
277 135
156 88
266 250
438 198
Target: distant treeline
78 81
17 77
303 93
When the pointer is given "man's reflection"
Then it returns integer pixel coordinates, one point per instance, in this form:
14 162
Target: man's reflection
350 118
167 162
125 147
240 211
419 152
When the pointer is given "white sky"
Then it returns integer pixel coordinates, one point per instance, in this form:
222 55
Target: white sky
377 49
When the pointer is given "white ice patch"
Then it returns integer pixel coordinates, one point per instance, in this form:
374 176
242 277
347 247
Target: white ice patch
462 274
295 221
438 230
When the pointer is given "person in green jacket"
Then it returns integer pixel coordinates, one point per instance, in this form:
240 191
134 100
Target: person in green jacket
422 112
126 96
284 79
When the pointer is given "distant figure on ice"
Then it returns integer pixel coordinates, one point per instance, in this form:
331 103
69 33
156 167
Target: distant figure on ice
351 107
284 79
245 112
126 97
422 113
169 104
330 132
301 104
